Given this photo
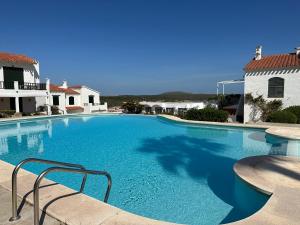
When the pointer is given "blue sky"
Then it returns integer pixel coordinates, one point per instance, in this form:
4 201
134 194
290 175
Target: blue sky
147 47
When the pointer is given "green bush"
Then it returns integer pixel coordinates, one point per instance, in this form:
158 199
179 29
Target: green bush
54 110
207 114
295 110
282 117
6 113
132 107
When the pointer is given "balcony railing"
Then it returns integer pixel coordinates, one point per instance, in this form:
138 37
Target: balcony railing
6 85
23 86
32 86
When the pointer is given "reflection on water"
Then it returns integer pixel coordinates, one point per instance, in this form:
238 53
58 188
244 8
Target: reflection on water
152 162
28 134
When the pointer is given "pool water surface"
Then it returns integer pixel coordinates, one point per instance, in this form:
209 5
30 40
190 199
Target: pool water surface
160 169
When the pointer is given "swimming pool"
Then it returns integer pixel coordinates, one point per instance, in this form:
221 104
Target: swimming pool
160 169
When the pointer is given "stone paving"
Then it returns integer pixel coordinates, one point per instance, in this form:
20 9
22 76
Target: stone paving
278 176
27 211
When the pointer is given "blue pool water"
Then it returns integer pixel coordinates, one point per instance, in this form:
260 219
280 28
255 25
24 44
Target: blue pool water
160 169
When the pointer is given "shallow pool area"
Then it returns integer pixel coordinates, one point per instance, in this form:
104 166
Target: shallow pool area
160 169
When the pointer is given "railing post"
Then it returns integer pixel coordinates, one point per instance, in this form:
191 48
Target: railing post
15 215
16 85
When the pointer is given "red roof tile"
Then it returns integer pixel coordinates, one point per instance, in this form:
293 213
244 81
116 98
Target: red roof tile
55 88
74 108
8 57
274 62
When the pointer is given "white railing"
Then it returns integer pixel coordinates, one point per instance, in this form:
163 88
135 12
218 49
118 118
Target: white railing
15 85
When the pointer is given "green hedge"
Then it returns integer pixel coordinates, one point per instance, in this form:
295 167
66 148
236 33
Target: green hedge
295 110
207 114
282 117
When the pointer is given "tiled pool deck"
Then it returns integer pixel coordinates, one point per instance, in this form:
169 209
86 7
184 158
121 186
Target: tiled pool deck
273 175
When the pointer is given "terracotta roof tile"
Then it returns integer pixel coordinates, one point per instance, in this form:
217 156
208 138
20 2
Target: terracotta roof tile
55 88
274 62
8 57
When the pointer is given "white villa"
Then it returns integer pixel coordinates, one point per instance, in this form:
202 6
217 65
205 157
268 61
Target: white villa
171 107
22 91
273 77
20 84
76 99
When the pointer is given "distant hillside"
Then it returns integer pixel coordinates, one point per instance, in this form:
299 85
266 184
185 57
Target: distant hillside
166 97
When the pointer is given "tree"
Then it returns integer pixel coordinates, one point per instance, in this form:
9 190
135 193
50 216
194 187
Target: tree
132 107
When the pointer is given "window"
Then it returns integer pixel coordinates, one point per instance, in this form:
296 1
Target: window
55 100
71 100
91 99
276 87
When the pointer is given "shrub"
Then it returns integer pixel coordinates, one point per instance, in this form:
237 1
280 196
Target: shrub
282 117
42 108
54 110
6 113
132 107
295 110
265 107
207 114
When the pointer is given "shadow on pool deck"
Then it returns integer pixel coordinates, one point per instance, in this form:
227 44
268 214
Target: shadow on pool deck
182 152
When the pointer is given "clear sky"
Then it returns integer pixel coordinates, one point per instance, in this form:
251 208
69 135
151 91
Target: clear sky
147 47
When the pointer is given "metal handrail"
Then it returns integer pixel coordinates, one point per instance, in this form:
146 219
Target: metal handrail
68 170
15 215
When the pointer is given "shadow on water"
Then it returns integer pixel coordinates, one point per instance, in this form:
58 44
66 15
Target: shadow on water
201 159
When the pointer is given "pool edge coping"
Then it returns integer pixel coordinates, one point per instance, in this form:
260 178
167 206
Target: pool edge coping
127 216
246 169
276 130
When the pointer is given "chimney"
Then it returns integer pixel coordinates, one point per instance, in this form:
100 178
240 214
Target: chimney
65 84
258 52
298 51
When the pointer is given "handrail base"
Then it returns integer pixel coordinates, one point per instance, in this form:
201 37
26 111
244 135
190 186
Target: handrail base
12 219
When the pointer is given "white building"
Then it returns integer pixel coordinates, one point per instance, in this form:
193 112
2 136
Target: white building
20 84
22 92
273 77
170 107
75 99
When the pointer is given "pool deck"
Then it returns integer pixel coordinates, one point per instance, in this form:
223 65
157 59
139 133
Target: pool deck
290 131
278 176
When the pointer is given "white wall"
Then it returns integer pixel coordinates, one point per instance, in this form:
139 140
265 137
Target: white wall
31 72
77 100
256 83
84 94
62 100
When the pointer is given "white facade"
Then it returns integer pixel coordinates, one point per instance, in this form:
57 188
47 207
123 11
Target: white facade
257 83
77 99
171 107
21 96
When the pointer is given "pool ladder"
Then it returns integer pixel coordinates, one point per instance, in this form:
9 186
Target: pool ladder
59 167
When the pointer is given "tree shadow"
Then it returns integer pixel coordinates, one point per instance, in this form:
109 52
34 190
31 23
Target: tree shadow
200 158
